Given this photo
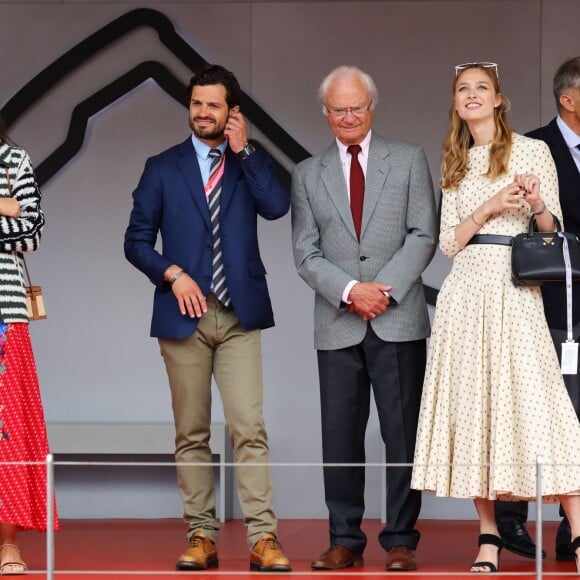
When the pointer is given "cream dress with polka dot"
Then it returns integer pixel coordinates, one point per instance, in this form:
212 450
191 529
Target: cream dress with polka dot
494 398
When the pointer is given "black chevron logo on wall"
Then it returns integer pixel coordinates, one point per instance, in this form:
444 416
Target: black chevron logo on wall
74 58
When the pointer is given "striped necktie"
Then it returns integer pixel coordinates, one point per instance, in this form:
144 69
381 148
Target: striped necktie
219 276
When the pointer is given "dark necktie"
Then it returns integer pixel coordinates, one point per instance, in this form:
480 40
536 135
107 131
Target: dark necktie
357 188
219 277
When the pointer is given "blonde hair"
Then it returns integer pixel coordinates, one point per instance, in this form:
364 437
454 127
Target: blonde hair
456 145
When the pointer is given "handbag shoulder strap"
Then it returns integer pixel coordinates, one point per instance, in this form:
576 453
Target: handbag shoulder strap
532 225
25 269
9 183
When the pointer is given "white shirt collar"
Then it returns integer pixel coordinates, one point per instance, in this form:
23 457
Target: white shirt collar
364 145
202 149
572 140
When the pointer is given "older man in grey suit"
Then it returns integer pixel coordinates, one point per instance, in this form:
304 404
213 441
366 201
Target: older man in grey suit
364 228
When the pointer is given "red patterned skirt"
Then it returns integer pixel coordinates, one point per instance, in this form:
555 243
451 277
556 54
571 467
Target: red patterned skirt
22 433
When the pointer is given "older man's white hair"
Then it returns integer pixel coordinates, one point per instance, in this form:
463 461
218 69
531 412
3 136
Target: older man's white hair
346 72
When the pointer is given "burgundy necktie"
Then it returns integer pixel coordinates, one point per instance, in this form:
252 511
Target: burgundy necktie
357 188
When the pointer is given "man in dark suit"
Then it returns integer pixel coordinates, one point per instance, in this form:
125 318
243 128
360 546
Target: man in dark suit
203 197
364 228
562 136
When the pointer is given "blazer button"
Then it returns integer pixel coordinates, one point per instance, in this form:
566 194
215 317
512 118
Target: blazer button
363 258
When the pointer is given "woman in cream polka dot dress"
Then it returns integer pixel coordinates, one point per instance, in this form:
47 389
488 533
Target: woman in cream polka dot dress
493 397
22 428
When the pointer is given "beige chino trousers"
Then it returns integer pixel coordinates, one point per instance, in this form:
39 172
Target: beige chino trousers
220 346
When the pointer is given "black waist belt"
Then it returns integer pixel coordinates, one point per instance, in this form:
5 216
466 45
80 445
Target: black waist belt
491 239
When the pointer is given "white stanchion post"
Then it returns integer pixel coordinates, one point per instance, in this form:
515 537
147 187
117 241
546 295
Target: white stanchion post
539 517
49 517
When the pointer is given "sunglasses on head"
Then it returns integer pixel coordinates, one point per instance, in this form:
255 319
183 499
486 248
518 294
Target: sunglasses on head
461 67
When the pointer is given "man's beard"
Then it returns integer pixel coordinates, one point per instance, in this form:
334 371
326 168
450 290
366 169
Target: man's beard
209 132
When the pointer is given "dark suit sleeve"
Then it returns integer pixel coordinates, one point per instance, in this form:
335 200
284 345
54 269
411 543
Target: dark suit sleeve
569 186
144 224
271 198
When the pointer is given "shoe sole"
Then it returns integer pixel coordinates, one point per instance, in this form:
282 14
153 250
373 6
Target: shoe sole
275 568
400 568
195 566
524 554
353 564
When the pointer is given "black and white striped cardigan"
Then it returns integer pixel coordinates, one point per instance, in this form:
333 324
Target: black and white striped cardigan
21 234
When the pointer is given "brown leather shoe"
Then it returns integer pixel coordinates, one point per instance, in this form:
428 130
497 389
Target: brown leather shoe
401 558
267 556
337 557
200 555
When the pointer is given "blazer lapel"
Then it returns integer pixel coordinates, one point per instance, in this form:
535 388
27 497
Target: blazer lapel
560 149
189 167
378 168
333 179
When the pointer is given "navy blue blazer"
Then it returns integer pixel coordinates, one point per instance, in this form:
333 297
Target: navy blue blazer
170 200
569 187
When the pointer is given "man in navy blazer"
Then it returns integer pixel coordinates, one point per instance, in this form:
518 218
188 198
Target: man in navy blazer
562 136
211 301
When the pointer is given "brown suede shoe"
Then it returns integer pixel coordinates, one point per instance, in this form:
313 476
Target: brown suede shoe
267 556
337 557
401 558
200 555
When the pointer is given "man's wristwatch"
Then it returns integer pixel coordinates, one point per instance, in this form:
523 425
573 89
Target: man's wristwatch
247 150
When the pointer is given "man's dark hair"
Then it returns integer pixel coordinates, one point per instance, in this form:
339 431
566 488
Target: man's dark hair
214 74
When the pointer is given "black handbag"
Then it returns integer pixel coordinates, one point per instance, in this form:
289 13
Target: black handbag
538 257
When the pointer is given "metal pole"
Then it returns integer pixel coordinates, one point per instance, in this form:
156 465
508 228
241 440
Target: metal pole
539 522
49 517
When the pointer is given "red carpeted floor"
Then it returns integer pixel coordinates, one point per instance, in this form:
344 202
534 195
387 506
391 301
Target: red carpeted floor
123 549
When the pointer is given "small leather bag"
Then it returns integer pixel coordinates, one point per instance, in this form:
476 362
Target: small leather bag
34 300
540 258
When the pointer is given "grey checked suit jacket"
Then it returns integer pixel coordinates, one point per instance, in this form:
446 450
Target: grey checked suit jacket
398 240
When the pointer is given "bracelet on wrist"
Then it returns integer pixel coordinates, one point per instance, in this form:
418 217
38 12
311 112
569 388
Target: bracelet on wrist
175 276
541 211
476 223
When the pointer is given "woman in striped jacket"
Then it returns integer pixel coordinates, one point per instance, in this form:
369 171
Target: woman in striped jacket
22 428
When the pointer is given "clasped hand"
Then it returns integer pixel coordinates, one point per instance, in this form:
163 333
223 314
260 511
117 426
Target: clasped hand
10 207
368 299
524 187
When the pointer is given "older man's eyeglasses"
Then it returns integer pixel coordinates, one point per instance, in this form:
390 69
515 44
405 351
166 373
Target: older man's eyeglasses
492 65
339 113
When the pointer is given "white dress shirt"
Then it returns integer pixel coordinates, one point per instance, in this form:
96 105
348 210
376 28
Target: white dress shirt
572 140
345 159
